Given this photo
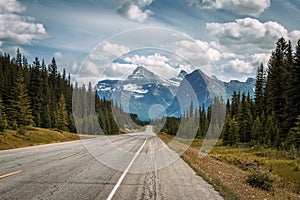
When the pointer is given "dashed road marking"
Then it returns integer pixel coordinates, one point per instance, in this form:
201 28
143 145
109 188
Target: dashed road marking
67 156
10 174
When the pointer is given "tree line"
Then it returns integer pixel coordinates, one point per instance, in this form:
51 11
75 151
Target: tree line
39 95
272 118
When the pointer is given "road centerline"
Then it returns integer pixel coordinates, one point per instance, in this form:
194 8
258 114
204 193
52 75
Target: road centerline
10 174
112 193
67 156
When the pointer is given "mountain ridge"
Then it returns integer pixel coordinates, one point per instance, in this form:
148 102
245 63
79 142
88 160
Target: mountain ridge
143 89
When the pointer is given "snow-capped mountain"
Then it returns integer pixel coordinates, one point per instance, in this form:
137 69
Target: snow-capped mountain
139 92
144 89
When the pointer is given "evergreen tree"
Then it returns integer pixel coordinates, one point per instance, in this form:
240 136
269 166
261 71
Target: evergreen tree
19 112
35 92
277 83
294 135
245 120
272 131
230 132
3 122
257 135
259 90
62 115
293 91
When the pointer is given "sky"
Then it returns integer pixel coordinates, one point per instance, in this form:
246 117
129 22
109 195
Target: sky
96 39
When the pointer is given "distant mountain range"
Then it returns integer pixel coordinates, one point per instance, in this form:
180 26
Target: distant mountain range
143 89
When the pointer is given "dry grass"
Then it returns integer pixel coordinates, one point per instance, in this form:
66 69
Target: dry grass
227 168
10 139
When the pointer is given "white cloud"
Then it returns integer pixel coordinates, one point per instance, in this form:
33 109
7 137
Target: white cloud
243 7
152 60
241 68
238 66
158 64
119 71
11 6
246 35
258 58
18 29
294 36
134 9
108 51
58 55
89 69
198 52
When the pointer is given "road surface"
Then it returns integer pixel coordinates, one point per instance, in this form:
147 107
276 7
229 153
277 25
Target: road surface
132 166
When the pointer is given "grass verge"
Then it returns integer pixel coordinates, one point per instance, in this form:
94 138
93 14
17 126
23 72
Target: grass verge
227 169
10 139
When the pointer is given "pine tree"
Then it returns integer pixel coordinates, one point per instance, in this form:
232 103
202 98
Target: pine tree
230 132
272 131
293 91
245 120
3 121
62 115
19 112
257 135
35 92
260 90
294 135
277 84
45 100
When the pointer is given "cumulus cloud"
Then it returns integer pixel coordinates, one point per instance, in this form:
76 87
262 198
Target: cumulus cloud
58 55
158 64
134 9
245 66
198 52
119 70
108 51
153 60
238 66
16 28
294 36
246 34
242 7
258 58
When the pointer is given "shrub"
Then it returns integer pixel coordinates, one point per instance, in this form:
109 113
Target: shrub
22 130
260 179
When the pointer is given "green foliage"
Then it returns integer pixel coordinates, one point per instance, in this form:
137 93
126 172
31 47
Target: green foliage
231 132
260 90
22 130
3 121
62 115
19 111
294 135
260 179
271 119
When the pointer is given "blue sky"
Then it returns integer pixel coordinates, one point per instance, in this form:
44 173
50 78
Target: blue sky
236 35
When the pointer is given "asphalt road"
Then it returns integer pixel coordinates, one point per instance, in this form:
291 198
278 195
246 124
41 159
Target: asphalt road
132 166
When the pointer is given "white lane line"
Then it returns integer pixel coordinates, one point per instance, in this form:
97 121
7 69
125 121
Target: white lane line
125 172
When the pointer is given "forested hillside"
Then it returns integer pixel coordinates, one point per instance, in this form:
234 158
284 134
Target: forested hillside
39 95
272 118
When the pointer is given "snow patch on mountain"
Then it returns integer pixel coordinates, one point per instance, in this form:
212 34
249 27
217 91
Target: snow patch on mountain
134 88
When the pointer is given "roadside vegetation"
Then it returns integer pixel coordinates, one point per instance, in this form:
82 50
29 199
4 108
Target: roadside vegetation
258 154
31 136
245 172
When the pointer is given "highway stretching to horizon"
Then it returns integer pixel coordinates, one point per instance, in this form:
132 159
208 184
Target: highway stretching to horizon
130 166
